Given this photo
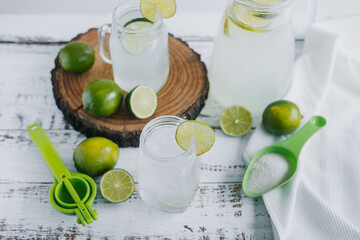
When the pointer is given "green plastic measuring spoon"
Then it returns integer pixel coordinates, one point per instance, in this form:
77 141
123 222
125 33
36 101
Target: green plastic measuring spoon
72 193
289 148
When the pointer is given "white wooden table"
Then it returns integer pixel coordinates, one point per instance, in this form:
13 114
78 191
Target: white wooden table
28 47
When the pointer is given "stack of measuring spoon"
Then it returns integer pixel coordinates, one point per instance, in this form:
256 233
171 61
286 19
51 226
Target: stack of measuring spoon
72 193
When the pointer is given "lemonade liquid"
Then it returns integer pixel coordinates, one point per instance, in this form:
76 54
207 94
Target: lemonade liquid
170 183
139 51
251 67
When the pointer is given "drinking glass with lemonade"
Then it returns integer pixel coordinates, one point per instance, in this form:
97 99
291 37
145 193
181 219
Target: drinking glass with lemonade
168 163
138 46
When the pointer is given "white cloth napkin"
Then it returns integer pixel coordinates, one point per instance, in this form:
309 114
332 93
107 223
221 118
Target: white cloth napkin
323 199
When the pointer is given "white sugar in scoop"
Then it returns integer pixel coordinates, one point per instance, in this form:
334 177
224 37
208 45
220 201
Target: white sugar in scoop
267 172
275 165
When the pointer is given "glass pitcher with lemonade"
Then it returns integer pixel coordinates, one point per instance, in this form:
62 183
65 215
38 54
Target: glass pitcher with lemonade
253 56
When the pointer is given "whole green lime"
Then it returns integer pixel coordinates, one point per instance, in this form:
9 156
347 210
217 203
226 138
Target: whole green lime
281 117
95 155
102 98
77 57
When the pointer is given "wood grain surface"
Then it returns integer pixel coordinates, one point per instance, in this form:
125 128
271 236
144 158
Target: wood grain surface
183 94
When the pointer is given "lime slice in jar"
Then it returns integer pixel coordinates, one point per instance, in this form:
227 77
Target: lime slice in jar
204 136
135 43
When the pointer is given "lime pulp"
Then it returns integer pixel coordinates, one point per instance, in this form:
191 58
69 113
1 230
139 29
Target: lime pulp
117 185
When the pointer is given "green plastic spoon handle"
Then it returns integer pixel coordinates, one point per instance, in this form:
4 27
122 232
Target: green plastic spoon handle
48 152
295 143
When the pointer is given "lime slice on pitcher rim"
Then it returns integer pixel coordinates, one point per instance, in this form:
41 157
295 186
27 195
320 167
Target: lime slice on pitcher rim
141 101
235 120
150 8
204 136
117 185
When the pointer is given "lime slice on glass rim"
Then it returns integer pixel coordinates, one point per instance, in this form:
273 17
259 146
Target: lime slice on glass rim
117 185
204 136
133 43
150 8
141 101
235 120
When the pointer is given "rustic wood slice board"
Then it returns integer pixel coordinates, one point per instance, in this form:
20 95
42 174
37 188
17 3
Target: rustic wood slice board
183 94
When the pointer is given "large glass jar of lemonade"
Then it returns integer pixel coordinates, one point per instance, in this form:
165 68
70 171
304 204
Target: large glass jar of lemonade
253 56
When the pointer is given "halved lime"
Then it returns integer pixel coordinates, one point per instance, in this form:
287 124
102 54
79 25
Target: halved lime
136 43
117 185
141 101
204 136
149 8
235 120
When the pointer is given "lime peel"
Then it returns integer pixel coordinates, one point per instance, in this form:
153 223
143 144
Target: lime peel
77 57
95 155
102 98
236 120
117 185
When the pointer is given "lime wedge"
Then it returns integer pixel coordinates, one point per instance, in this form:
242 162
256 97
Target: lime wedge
204 136
117 185
141 101
235 121
132 43
149 8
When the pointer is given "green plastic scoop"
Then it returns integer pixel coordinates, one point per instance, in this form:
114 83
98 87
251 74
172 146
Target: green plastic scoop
289 149
72 193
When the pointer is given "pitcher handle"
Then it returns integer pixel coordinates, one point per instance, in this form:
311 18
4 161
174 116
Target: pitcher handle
104 52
